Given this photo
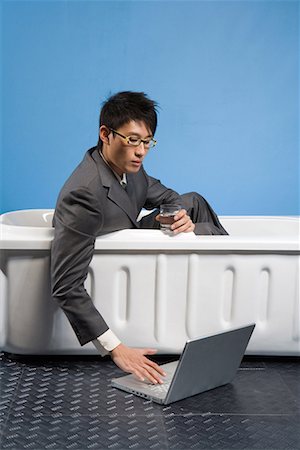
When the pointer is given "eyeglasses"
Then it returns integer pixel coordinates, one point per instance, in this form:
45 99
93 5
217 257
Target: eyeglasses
135 141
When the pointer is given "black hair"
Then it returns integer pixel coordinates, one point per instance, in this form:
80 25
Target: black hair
126 106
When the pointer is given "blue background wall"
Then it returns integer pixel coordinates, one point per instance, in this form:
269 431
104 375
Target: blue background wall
226 75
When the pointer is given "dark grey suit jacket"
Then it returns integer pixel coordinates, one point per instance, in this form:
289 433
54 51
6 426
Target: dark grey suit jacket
92 202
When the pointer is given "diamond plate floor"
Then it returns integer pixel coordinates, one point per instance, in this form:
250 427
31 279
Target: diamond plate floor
68 403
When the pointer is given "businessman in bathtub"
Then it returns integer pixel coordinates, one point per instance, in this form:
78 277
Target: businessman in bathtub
105 193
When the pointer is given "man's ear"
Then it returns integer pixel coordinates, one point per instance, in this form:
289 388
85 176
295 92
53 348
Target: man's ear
104 133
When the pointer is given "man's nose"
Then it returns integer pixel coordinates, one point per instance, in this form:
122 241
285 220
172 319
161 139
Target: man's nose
140 149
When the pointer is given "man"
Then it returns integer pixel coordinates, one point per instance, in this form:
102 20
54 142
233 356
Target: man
105 193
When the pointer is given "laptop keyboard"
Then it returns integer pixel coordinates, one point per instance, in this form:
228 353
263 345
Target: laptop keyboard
161 388
146 388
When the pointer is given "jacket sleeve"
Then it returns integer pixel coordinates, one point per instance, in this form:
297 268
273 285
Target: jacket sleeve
205 219
158 194
77 221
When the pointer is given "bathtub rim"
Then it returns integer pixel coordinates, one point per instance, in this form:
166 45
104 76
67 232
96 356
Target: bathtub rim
22 237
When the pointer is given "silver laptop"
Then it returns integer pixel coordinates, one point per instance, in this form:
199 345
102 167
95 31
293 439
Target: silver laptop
205 363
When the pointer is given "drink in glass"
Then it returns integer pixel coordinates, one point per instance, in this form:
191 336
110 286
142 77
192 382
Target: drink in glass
166 216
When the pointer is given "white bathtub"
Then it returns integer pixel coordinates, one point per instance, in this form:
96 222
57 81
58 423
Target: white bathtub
158 290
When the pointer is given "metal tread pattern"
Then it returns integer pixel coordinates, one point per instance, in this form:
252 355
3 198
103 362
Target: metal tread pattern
68 403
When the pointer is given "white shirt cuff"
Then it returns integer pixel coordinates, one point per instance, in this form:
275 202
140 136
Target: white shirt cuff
106 342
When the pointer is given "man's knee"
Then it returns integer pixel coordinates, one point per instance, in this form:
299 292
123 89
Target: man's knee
191 199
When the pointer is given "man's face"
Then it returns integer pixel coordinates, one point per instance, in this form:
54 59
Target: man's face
122 157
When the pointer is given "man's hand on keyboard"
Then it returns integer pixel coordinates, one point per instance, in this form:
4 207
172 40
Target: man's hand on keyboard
133 360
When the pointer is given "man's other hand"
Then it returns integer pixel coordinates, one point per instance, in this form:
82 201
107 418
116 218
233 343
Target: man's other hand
133 360
182 222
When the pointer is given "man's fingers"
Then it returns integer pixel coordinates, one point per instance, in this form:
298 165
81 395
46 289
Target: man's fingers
147 373
182 224
180 214
155 366
151 366
149 351
185 228
134 361
138 374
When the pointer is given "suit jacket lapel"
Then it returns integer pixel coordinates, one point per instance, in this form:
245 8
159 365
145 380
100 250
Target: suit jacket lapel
125 200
